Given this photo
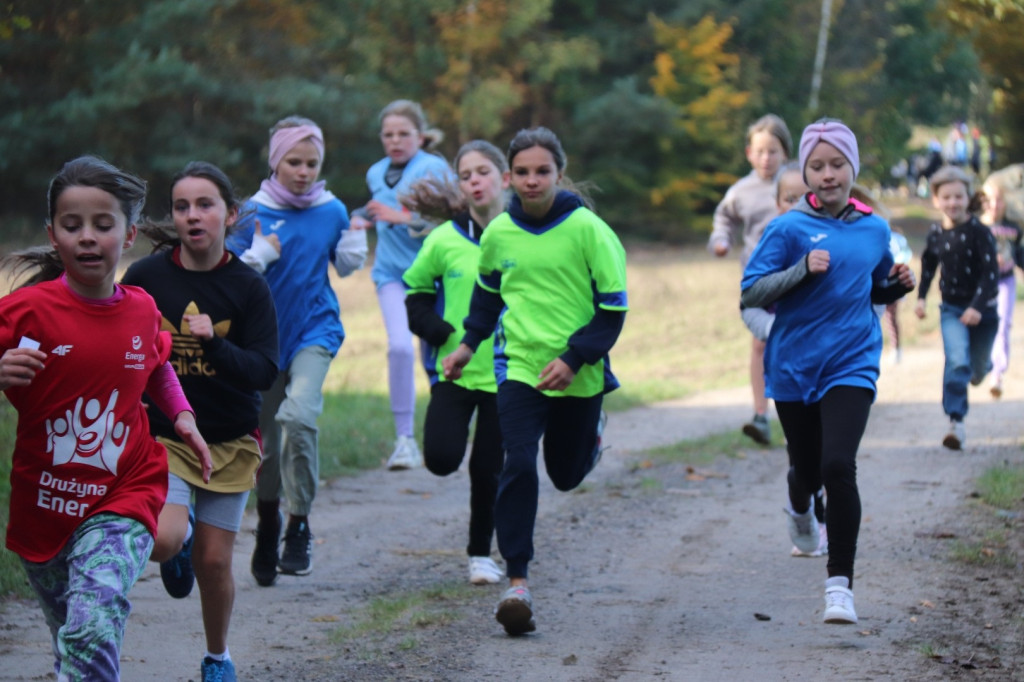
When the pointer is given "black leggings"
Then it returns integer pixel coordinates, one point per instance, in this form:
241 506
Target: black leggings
444 447
822 439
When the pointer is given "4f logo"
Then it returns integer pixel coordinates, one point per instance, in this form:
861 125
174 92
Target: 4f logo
62 350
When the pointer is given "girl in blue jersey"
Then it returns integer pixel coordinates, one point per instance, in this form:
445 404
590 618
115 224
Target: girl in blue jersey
407 141
823 264
440 283
553 280
306 230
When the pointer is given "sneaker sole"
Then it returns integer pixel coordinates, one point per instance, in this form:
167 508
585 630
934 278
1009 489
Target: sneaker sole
485 579
754 433
840 619
516 616
288 571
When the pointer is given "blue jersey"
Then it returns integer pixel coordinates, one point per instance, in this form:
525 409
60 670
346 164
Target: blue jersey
396 248
825 332
307 309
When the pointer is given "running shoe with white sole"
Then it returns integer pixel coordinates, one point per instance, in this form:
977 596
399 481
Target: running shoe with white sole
406 455
956 437
515 611
803 529
839 602
822 545
483 571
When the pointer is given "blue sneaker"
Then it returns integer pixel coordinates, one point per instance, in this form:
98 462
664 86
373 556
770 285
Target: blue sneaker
176 572
217 671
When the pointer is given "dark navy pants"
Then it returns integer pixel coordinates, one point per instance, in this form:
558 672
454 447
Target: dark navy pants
568 426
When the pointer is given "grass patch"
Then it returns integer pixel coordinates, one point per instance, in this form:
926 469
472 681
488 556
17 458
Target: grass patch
704 451
12 576
991 550
401 614
1002 487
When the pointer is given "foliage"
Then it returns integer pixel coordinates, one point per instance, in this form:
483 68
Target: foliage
695 72
995 27
650 99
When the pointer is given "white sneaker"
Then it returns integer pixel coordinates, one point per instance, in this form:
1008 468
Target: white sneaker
839 602
483 571
803 529
956 438
822 545
406 455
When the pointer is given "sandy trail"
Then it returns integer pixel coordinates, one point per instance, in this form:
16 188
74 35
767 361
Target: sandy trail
644 574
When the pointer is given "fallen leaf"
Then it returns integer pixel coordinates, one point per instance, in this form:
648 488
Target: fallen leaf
762 616
569 660
927 604
324 619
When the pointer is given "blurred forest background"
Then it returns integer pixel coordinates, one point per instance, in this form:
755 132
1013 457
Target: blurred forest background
651 99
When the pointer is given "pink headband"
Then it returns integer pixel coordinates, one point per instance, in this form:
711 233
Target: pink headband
285 139
837 135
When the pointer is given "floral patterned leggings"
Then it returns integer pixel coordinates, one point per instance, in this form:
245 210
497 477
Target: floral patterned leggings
83 592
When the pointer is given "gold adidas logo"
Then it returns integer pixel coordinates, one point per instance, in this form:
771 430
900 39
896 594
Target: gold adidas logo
187 353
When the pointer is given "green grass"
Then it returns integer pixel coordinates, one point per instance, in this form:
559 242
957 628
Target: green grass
402 614
12 577
990 550
704 451
1002 487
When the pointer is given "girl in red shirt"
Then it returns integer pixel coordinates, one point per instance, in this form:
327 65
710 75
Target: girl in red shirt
87 480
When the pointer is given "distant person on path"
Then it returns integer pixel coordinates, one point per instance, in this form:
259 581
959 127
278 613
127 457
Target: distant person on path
559 273
293 230
224 333
969 316
440 283
407 144
1009 254
87 478
744 211
902 254
823 264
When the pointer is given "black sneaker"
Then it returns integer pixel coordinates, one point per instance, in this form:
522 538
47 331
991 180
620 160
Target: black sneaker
297 556
264 555
176 572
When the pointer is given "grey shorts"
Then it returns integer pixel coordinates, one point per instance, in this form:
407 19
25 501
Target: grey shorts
220 510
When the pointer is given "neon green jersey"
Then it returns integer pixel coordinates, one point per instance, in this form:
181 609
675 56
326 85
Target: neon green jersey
552 279
446 266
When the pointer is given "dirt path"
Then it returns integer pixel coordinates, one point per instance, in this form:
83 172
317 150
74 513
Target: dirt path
646 573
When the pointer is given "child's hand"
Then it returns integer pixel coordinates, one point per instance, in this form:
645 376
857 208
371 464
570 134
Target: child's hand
455 361
556 376
919 309
904 275
185 427
272 240
720 249
359 223
817 261
19 366
971 317
381 211
200 326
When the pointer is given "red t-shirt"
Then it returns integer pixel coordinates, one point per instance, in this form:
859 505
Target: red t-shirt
83 445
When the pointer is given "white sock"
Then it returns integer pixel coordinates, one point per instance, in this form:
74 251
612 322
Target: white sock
226 656
838 581
188 533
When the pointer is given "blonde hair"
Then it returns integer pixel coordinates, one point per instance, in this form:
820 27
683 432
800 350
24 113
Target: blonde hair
413 112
